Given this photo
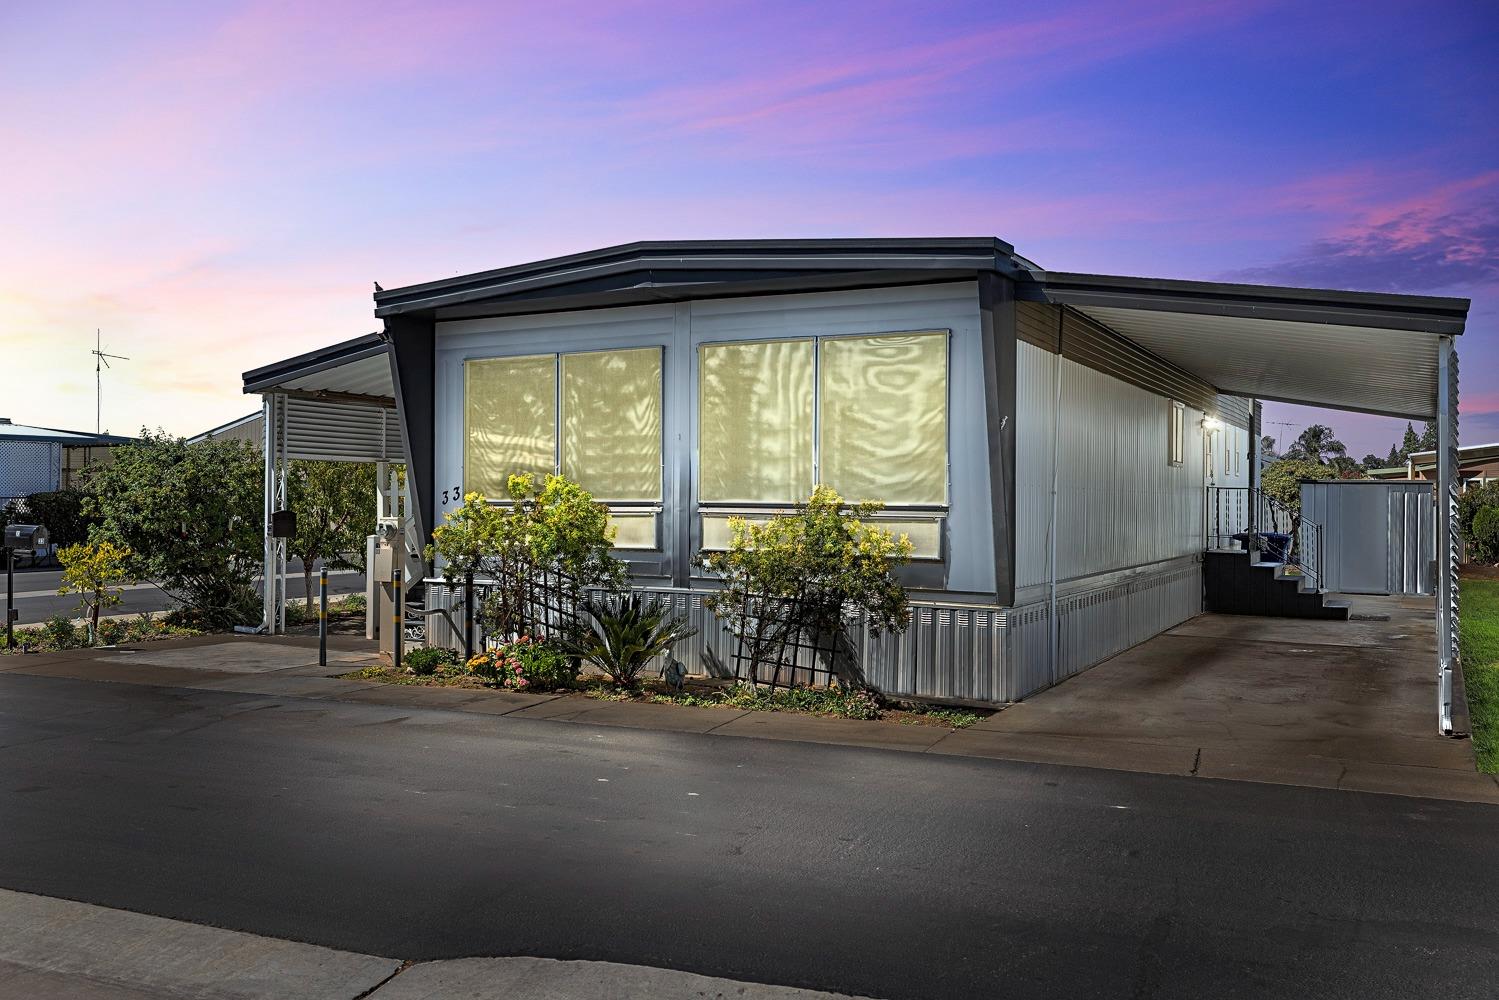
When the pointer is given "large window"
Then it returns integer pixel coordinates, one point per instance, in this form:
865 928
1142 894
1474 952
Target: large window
602 430
865 415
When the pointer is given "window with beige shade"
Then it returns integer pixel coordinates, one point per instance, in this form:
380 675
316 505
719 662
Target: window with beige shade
592 416
866 415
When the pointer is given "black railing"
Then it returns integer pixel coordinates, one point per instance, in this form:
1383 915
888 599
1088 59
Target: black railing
1245 515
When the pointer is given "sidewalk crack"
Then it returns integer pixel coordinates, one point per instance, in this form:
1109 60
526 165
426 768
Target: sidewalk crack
1196 762
406 964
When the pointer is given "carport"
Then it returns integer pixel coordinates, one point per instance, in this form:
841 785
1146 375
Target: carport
1391 355
336 404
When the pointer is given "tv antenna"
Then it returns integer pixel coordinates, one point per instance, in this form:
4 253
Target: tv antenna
101 362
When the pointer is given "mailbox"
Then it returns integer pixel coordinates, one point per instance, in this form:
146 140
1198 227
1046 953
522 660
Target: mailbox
25 537
283 523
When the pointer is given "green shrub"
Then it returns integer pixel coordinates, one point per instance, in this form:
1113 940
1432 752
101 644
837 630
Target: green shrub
555 535
425 660
111 632
797 574
527 664
1484 535
61 634
351 603
191 516
1471 501
621 641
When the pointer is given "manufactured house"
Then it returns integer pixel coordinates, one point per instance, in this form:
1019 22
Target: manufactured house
43 459
1064 450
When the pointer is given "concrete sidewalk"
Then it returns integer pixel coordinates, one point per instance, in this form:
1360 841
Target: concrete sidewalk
57 949
1266 700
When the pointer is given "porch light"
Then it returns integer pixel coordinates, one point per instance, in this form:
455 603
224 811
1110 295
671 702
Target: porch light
1211 424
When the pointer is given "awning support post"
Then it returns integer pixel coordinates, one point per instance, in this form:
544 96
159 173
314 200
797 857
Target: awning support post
1446 513
268 486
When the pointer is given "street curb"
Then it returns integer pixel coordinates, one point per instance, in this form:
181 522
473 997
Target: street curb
64 939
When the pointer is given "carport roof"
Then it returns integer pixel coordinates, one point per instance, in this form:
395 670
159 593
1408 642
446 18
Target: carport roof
1367 351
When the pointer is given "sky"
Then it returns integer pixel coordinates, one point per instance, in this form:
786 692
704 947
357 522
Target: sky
216 186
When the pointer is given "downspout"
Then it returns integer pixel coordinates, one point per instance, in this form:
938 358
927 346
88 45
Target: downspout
1055 632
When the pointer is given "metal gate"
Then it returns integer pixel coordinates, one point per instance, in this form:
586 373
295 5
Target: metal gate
1379 535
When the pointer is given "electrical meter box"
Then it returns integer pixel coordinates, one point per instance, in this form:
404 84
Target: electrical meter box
389 555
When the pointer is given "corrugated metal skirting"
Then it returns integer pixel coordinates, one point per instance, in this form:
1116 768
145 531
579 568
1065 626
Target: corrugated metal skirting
963 653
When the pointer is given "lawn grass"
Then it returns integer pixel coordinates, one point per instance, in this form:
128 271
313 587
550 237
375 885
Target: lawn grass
1479 625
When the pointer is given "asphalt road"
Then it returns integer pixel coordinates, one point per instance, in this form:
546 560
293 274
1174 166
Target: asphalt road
428 834
37 598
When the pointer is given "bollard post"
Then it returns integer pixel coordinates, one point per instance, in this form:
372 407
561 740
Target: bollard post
322 617
468 616
399 638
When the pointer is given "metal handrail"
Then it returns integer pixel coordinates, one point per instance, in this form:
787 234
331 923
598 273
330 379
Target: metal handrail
1227 517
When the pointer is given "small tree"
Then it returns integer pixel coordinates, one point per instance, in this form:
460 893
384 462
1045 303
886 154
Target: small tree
95 571
556 538
191 518
798 573
1315 442
335 506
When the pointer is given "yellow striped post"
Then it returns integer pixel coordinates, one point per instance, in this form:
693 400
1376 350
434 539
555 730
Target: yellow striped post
322 617
398 639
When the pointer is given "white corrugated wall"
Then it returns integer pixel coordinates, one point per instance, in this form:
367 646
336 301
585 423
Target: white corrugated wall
1120 504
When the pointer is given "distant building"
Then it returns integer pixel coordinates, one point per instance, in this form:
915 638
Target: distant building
42 459
250 428
1477 464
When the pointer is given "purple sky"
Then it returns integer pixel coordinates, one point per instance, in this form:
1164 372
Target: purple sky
217 185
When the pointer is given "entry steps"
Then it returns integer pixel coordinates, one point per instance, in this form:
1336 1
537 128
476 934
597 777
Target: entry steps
1235 585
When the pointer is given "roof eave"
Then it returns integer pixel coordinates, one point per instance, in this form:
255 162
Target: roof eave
741 257
1376 310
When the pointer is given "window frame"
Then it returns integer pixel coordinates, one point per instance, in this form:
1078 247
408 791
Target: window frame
1176 434
742 506
621 506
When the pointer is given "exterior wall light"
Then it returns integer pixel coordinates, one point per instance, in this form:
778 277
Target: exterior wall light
1211 424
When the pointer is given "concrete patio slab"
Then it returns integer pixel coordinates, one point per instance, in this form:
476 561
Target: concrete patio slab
1321 703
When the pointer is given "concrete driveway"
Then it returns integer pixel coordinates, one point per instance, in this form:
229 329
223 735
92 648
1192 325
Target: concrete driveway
1336 704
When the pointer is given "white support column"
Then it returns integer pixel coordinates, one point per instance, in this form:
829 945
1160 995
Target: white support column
268 568
1446 513
283 501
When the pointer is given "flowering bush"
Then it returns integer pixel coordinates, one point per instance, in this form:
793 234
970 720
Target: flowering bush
527 664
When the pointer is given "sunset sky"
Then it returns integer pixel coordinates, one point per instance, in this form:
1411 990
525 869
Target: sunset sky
216 186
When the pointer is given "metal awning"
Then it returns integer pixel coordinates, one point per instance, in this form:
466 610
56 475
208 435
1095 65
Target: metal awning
1363 351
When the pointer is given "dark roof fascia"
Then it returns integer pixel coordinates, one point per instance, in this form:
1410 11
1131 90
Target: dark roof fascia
355 349
647 292
1379 310
70 439
734 259
1465 453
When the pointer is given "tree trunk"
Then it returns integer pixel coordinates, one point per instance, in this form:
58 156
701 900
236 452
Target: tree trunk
94 631
307 582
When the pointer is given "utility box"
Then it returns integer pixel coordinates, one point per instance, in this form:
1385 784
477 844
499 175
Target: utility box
387 606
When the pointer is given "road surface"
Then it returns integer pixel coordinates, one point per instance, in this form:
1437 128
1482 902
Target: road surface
37 598
427 834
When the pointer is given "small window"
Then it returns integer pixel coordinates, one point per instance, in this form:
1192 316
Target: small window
1176 435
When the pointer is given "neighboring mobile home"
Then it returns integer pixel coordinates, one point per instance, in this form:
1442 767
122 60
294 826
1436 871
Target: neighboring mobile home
1049 441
